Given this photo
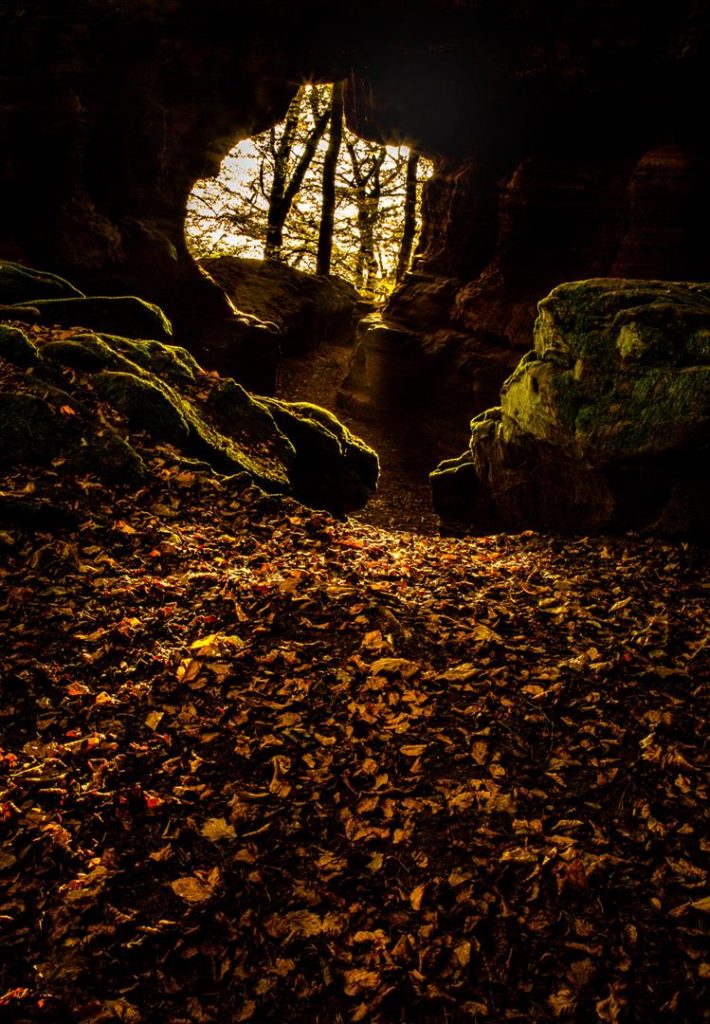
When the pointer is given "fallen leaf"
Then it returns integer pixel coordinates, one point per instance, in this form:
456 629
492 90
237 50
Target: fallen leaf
416 896
196 888
218 829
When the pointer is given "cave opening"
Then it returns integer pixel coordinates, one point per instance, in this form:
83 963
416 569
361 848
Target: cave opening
312 227
310 193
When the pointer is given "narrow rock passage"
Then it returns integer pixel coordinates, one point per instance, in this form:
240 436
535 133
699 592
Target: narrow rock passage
408 446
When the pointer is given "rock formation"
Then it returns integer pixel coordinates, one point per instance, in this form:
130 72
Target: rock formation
605 425
308 310
80 395
568 140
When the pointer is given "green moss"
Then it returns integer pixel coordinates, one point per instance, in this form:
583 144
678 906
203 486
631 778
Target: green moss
16 347
329 436
494 413
86 352
92 352
146 405
455 488
124 315
585 318
234 412
172 362
333 468
20 284
649 414
698 348
152 405
306 433
520 371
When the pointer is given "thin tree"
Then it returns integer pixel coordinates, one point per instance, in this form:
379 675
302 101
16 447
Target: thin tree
283 191
327 219
410 215
367 193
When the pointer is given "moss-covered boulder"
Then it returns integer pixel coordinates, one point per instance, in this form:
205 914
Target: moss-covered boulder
85 352
41 423
333 468
620 370
125 315
605 425
145 404
16 347
23 285
171 362
93 395
88 351
152 405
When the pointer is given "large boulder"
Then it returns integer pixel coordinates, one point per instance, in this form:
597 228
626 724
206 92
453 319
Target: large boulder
605 425
308 309
333 468
100 402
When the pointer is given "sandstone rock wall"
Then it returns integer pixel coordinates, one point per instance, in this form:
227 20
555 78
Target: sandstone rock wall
569 139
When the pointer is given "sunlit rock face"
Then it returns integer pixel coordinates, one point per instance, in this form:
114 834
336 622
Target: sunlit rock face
605 425
308 310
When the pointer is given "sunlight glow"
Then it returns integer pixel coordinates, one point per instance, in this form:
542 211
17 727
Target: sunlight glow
228 214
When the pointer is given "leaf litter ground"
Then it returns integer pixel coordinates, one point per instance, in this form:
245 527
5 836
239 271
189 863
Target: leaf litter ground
258 764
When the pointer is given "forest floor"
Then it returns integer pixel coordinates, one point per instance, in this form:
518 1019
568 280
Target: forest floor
261 765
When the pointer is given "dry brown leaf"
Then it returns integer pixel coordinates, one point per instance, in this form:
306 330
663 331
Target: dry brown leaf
304 922
360 980
458 876
609 1009
196 888
246 1013
462 952
217 829
562 1002
416 896
394 667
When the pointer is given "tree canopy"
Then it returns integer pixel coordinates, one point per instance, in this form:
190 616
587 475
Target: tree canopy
312 194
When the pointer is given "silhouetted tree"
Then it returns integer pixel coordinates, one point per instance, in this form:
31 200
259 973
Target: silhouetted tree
289 195
284 189
410 215
330 163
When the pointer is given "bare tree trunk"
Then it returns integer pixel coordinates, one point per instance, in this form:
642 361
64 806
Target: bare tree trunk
282 155
283 191
368 191
410 215
327 220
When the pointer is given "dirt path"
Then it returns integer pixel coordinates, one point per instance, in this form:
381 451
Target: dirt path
407 445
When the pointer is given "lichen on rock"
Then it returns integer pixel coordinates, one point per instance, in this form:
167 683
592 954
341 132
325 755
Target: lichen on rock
604 424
